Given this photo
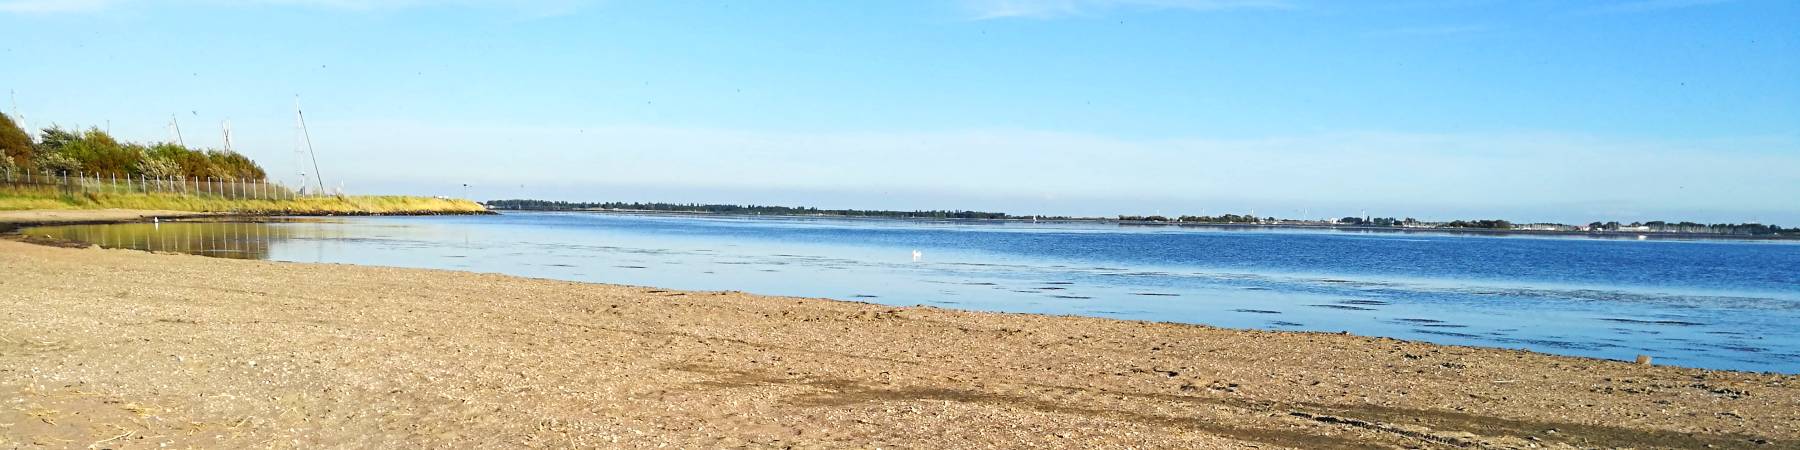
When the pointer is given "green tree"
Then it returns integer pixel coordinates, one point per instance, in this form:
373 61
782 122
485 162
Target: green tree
94 151
55 162
153 166
233 166
97 152
15 145
8 168
55 138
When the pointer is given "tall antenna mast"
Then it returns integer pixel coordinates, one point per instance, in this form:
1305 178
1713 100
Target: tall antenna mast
227 126
307 137
176 125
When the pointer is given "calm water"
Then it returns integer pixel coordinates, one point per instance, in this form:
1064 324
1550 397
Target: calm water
1714 304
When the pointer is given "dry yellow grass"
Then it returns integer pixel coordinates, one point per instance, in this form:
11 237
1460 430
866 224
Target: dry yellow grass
14 198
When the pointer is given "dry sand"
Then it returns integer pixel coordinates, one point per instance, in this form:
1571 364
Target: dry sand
118 348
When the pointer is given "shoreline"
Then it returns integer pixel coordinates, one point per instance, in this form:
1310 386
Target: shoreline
11 221
13 231
314 353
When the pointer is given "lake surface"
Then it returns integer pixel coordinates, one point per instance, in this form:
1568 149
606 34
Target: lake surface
1712 304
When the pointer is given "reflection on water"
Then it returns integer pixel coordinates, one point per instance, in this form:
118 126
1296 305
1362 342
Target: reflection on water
236 240
1699 304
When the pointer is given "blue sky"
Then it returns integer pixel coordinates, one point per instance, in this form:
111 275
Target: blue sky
1529 110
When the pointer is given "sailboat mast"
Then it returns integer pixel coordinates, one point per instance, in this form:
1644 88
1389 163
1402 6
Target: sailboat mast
299 149
14 95
176 125
307 137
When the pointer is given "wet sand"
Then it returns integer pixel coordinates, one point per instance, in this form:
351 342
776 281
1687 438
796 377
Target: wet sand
130 349
74 216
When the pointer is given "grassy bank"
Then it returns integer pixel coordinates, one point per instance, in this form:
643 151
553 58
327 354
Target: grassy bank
13 198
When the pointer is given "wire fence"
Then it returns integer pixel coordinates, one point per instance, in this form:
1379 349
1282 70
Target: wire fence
77 182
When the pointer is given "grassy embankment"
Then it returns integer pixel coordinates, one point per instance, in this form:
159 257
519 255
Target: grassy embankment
13 198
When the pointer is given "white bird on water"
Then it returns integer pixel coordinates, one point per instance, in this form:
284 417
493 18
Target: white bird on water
918 256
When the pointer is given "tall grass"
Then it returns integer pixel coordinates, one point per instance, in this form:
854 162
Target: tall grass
22 197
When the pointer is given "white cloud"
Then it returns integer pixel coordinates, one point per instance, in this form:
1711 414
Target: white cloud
1644 6
999 9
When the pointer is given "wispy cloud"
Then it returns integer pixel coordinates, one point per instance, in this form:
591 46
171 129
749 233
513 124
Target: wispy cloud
1044 9
539 7
1645 6
52 6
1433 30
1434 174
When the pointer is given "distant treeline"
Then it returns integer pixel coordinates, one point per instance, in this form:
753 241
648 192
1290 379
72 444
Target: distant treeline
1749 229
1738 229
546 205
60 151
1228 218
1658 226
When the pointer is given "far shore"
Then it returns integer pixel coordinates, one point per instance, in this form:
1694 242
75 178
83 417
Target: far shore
120 348
1620 235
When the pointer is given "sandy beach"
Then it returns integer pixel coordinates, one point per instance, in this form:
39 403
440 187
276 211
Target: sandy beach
128 349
